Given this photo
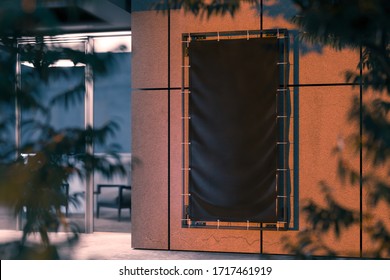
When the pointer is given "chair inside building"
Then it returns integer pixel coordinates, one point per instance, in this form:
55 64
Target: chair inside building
113 196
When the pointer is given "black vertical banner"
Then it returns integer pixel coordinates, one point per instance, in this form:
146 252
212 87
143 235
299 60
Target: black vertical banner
233 131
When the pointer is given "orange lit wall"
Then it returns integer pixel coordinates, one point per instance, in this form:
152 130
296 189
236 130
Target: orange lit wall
318 80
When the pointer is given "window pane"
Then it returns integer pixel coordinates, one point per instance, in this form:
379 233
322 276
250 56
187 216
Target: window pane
112 101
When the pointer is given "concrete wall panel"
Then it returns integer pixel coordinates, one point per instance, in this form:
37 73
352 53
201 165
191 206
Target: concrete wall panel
150 49
323 126
325 65
278 15
150 170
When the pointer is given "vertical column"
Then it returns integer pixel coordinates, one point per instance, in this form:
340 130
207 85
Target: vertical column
18 117
88 103
150 127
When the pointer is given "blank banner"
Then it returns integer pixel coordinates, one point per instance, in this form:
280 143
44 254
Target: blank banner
233 130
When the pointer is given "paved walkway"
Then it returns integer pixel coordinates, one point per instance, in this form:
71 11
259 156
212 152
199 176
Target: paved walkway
117 246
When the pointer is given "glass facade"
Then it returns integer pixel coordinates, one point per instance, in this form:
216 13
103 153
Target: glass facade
104 98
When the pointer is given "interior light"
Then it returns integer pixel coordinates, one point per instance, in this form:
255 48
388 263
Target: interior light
28 64
112 44
58 63
66 63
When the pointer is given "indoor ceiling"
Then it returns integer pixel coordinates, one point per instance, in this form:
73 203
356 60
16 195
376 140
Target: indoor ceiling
96 15
72 16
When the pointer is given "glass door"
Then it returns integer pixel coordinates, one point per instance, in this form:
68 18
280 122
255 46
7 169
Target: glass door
112 103
95 100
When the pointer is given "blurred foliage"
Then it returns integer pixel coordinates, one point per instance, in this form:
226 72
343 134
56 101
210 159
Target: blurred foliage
360 25
33 173
352 24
